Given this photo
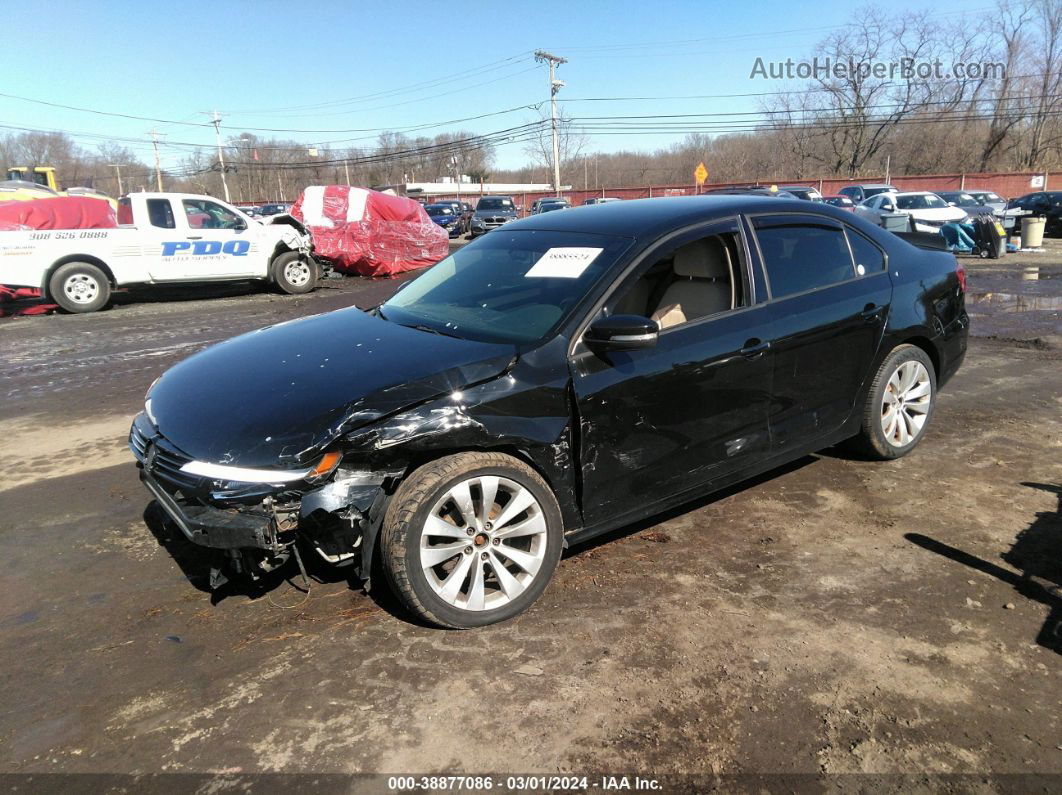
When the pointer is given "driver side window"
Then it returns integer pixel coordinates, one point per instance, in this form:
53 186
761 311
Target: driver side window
687 280
204 214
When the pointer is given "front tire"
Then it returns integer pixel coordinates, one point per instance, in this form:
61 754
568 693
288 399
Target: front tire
899 404
79 287
294 273
471 539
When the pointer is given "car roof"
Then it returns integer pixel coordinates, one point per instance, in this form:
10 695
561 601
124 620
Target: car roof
650 218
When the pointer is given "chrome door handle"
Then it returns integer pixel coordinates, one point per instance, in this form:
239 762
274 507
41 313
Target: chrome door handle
754 348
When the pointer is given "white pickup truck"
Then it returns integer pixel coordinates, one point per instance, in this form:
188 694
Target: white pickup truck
160 238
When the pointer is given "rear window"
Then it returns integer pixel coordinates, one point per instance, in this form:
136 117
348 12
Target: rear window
125 212
802 253
868 257
160 213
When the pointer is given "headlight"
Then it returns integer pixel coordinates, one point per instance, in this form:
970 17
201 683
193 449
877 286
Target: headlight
324 467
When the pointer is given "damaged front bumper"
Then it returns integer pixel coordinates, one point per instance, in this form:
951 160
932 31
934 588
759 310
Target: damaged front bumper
257 526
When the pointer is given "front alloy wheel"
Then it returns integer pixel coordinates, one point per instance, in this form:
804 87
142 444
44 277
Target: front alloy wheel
471 539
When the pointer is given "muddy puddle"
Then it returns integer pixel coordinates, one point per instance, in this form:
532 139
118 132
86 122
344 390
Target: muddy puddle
1021 301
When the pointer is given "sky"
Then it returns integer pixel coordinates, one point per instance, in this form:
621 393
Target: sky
342 71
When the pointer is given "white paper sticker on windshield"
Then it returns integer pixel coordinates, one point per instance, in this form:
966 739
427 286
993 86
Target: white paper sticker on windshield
563 263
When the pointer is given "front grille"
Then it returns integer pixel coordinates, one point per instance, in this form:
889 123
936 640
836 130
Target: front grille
168 458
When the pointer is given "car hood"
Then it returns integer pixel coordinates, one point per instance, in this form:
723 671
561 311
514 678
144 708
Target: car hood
276 396
940 214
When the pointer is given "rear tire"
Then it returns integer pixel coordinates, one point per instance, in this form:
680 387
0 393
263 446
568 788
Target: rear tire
899 404
471 539
79 287
294 273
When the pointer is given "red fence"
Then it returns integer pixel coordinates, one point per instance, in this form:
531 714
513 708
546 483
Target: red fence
1009 185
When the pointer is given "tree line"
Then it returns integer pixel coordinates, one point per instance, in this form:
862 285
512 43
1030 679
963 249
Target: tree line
827 125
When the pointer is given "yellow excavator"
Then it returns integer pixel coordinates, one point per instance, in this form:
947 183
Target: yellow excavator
26 183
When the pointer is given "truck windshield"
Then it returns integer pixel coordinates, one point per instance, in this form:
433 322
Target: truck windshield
506 287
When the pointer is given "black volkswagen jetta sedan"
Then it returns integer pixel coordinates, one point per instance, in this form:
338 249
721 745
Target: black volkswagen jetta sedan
569 374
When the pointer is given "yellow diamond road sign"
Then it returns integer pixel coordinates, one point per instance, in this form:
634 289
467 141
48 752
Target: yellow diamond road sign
701 174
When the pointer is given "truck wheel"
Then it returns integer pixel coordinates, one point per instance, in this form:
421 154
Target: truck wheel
79 287
471 539
294 273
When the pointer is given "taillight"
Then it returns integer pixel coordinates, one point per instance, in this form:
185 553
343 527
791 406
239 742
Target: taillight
960 271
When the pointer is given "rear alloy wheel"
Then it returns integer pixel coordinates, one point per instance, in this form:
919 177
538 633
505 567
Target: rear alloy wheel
294 273
899 403
471 539
79 287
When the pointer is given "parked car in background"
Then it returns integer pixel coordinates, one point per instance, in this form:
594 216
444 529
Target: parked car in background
492 212
843 202
601 200
1045 203
462 209
989 199
445 216
964 201
254 212
550 383
861 192
161 237
928 211
802 192
278 208
548 204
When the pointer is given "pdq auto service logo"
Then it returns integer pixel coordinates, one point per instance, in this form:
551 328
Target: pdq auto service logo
202 248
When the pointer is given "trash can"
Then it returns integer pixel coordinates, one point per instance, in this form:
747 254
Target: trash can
896 222
1032 231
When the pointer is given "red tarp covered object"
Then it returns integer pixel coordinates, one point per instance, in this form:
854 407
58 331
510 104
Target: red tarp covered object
62 212
370 233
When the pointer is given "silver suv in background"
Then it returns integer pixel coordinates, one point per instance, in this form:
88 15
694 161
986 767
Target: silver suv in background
861 192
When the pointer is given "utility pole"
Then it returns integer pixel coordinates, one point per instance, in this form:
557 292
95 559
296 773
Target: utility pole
554 86
346 170
158 168
216 121
457 174
118 170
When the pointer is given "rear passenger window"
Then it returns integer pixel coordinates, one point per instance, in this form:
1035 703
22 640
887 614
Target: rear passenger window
868 257
160 213
802 253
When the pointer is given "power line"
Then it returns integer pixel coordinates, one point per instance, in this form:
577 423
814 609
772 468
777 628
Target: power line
393 92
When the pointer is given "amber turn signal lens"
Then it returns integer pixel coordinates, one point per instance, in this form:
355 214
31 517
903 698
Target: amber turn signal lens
328 462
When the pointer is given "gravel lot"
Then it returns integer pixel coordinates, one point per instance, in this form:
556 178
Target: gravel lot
834 616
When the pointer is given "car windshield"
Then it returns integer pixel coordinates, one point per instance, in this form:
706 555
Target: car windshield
867 192
436 210
920 201
963 199
494 204
511 287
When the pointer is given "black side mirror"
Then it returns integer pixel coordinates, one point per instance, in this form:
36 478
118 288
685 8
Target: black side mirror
622 333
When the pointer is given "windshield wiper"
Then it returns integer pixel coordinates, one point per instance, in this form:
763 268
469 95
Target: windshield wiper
429 329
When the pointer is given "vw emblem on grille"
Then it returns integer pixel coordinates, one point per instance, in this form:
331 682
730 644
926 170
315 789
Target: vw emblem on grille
150 452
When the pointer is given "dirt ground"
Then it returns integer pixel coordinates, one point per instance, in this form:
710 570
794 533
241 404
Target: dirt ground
834 616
